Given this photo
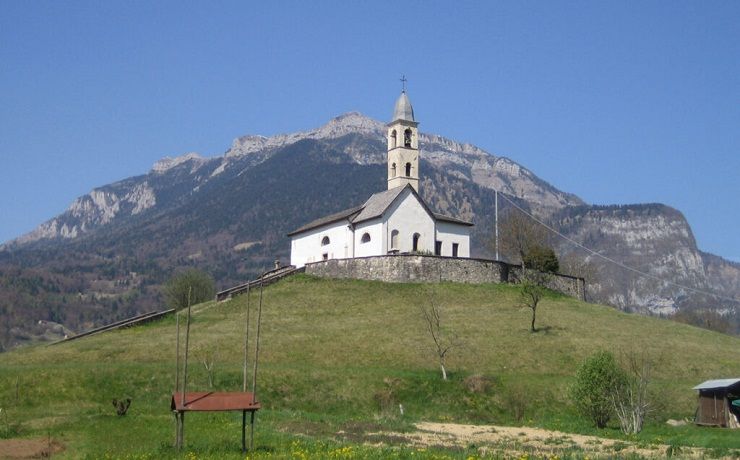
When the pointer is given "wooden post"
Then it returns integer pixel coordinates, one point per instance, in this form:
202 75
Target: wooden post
182 429
244 431
251 435
187 345
246 343
177 351
185 374
257 345
177 377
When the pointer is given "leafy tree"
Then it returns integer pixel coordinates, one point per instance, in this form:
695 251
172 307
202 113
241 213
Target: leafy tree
533 289
542 258
597 380
189 288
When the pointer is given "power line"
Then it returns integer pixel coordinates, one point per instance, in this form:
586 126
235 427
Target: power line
615 262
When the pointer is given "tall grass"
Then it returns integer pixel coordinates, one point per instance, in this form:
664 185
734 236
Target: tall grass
341 356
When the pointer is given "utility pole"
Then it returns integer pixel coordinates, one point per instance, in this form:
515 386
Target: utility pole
496 218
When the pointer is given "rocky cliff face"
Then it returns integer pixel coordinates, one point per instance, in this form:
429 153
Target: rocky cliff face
656 257
107 254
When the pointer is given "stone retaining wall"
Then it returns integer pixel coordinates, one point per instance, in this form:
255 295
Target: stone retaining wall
413 268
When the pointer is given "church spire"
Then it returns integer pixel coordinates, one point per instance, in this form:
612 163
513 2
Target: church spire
403 144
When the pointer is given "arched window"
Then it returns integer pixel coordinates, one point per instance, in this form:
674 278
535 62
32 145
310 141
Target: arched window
407 138
393 139
415 242
394 239
408 169
325 241
393 170
365 238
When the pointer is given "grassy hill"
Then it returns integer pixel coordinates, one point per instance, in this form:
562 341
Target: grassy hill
337 359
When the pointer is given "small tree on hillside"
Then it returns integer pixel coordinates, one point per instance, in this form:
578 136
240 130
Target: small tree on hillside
533 290
443 339
189 287
630 399
597 380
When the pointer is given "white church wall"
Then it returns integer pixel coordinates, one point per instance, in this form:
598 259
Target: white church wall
374 229
408 216
307 247
449 233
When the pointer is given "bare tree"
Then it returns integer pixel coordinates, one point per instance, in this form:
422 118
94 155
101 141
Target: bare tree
630 399
577 264
208 360
443 339
519 234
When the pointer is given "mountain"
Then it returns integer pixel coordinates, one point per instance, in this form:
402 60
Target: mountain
107 255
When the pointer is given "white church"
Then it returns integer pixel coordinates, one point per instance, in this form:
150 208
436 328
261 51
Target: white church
395 221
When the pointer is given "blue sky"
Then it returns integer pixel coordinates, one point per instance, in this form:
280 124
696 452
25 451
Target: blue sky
617 102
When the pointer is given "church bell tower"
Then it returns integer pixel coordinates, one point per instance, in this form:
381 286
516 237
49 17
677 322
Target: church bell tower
403 145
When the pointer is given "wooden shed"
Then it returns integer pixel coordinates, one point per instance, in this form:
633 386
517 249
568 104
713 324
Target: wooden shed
716 408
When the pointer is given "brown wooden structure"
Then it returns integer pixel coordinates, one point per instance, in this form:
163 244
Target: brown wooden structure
245 401
715 406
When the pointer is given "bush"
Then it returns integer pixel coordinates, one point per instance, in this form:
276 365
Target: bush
541 258
597 380
189 288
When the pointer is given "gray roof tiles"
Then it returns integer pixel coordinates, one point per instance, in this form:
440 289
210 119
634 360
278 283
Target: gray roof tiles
454 220
403 109
374 207
346 214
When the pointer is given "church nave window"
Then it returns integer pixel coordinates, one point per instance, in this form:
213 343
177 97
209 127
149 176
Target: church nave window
365 238
394 239
415 242
325 241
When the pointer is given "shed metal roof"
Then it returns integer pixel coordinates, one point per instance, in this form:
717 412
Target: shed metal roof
719 383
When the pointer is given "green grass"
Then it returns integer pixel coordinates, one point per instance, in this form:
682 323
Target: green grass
339 357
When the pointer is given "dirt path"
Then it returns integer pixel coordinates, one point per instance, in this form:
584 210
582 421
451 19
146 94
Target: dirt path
29 448
518 441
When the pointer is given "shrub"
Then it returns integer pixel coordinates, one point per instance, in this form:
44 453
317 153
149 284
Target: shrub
598 378
541 258
189 288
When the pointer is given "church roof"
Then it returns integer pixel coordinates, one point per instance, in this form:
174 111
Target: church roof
346 214
453 220
374 207
403 109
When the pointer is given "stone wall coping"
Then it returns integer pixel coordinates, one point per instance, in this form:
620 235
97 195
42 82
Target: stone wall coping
474 259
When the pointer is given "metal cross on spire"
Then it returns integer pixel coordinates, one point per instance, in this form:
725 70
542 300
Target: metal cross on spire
403 82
